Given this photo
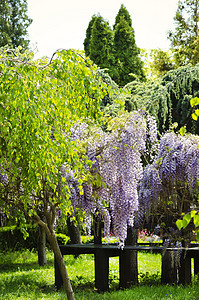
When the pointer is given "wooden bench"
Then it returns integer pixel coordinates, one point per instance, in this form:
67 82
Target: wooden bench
103 252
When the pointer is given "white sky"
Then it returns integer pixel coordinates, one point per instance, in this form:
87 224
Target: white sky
63 23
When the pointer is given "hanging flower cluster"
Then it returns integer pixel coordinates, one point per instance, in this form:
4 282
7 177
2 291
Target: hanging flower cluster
117 167
173 176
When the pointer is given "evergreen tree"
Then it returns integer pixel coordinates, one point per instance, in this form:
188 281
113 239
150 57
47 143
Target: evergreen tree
100 48
183 39
168 99
115 49
14 22
123 13
126 51
88 35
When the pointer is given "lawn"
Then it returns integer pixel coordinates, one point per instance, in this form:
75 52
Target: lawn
22 278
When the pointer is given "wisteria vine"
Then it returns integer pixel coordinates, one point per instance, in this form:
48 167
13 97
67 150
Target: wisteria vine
117 160
170 183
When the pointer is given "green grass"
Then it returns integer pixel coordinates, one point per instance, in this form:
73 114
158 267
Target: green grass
22 278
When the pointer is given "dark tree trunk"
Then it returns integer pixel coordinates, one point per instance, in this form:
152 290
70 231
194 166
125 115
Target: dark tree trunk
74 232
128 261
41 246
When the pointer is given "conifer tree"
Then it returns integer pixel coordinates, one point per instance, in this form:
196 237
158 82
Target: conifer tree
123 12
14 22
169 99
88 35
100 48
126 51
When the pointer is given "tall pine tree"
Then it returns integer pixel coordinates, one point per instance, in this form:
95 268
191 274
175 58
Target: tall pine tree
14 23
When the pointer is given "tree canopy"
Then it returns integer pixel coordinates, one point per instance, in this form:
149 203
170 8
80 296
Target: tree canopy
100 47
40 103
115 49
14 23
184 37
168 99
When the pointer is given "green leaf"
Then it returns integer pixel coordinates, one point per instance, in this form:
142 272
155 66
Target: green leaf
183 130
193 212
194 117
179 224
194 101
186 220
197 112
196 220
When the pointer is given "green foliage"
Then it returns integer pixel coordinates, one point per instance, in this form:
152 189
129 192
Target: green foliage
168 99
62 238
12 239
88 35
36 99
161 63
183 39
194 103
186 219
127 57
14 23
122 14
115 49
100 48
22 278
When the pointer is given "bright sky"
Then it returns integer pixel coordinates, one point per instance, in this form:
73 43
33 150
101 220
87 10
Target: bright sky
63 23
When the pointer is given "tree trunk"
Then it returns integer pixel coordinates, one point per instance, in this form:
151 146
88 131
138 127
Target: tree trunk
74 232
128 261
59 258
41 246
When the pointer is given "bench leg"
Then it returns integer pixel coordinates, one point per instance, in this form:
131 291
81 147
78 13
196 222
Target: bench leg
128 268
185 269
169 268
101 270
196 263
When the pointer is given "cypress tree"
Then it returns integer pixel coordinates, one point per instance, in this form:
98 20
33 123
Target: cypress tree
88 35
125 49
14 22
100 48
123 13
116 49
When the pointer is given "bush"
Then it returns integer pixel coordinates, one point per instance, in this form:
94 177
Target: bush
11 238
